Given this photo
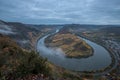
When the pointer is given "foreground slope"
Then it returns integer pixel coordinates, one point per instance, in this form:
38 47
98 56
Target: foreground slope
17 63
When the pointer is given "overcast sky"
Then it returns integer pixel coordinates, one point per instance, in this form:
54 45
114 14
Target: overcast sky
61 11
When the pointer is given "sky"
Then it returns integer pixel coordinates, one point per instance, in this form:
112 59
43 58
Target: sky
61 11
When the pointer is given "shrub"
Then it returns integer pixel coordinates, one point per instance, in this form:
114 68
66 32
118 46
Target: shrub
32 63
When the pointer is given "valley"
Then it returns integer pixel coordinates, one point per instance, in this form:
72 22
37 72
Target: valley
93 48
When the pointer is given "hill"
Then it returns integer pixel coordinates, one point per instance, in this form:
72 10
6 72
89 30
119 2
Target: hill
71 45
17 63
114 30
25 35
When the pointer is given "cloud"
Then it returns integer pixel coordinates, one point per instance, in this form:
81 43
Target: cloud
61 11
5 29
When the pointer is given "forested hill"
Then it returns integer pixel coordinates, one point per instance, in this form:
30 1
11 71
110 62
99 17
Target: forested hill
25 34
115 30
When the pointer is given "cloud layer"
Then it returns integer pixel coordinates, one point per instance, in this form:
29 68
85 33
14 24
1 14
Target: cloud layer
61 11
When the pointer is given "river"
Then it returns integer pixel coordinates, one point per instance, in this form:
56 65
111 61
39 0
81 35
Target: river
99 60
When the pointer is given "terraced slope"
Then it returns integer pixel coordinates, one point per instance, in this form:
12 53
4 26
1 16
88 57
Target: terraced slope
72 46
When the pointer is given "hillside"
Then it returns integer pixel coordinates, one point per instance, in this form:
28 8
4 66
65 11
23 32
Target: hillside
71 45
25 35
115 30
17 63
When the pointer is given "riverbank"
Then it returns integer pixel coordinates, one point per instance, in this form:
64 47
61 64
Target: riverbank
114 61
